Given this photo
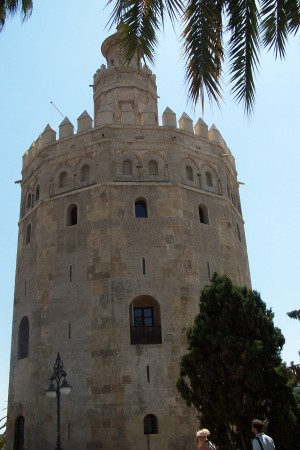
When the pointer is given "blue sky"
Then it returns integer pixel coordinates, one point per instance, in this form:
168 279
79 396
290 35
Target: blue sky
53 56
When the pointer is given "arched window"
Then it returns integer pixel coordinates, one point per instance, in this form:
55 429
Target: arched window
153 168
145 325
189 173
37 193
85 173
127 167
28 234
150 424
141 208
209 179
203 214
23 338
63 179
19 433
28 204
72 215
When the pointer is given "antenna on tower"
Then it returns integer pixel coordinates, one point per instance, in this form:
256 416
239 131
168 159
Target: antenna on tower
58 110
60 113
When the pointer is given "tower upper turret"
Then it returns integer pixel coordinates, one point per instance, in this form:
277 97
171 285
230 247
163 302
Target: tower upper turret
127 90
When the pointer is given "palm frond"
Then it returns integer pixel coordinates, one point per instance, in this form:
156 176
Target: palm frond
26 10
243 45
140 22
274 26
120 7
293 15
9 8
202 49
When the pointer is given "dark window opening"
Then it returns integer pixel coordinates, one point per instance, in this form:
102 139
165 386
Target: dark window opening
143 316
19 433
203 214
23 338
72 215
28 205
37 192
150 424
141 208
145 322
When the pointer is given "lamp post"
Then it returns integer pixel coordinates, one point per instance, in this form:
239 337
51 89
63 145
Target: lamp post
58 385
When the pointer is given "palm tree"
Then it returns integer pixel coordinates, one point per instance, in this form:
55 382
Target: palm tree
9 7
247 25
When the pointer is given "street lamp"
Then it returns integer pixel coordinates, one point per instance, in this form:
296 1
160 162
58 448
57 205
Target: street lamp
58 385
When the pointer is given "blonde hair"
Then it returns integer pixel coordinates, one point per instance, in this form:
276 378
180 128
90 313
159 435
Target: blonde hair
203 433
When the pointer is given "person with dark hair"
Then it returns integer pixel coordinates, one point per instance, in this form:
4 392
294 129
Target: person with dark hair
261 440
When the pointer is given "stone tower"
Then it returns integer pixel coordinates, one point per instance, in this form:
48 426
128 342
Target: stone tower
121 226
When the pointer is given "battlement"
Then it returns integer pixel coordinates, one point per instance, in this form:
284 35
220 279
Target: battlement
105 117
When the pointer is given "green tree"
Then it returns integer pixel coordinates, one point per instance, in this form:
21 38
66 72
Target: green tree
211 30
233 370
294 314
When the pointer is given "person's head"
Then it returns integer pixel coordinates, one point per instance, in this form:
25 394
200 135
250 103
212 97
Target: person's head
257 426
202 435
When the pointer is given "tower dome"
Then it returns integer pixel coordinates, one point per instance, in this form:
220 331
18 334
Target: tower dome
126 88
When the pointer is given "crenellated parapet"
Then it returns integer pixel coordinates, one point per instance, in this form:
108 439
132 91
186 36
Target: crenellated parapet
105 117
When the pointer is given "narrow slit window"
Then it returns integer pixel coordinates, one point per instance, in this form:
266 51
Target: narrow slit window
208 270
148 374
28 204
70 272
23 338
238 232
144 265
37 192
